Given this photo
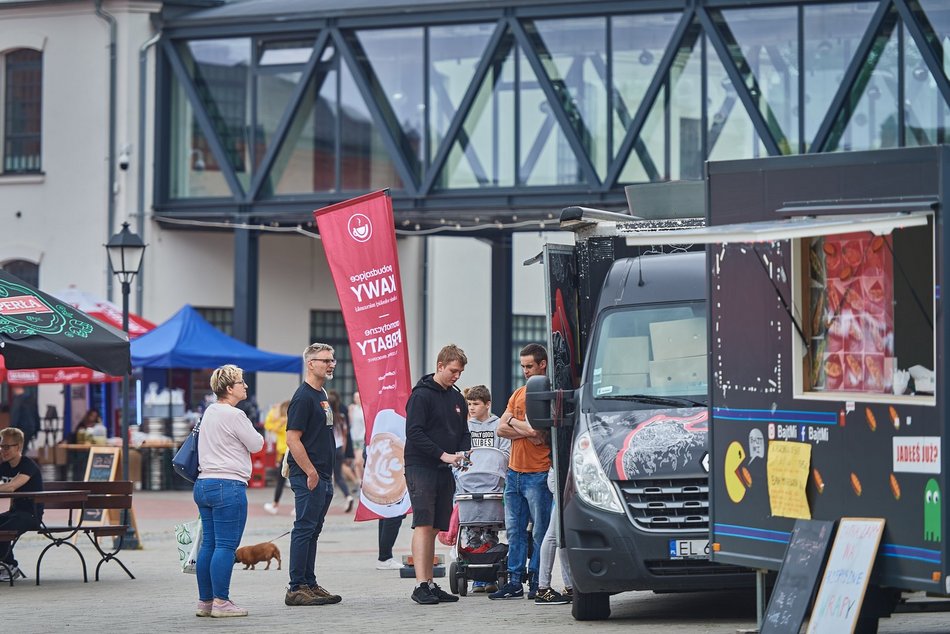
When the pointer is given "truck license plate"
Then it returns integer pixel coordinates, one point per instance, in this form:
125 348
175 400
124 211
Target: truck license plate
689 549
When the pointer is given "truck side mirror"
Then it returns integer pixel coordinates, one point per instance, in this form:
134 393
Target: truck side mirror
546 408
538 398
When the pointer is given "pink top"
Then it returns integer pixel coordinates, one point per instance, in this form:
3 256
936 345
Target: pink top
226 441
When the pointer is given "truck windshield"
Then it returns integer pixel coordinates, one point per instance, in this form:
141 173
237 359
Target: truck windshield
651 351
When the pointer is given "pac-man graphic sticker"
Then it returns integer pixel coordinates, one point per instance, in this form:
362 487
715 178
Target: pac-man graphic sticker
932 532
737 477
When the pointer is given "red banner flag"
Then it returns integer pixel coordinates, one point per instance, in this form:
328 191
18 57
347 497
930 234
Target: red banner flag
359 238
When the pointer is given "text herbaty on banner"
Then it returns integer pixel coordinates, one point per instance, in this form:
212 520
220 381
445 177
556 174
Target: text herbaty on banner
359 239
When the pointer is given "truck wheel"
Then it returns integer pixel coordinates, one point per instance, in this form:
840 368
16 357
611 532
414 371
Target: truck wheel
590 606
453 580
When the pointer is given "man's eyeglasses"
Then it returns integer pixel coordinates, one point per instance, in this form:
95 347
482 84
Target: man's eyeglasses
8 446
327 361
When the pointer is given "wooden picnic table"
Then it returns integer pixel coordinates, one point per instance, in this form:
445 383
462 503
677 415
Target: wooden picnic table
73 499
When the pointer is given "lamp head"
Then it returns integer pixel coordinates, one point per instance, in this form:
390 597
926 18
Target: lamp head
125 251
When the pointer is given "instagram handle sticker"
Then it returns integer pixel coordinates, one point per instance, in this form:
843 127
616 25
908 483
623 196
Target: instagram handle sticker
359 228
384 481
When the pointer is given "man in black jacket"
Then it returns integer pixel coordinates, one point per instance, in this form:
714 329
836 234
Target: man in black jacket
436 438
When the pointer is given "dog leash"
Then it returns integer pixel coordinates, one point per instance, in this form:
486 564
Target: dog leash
278 537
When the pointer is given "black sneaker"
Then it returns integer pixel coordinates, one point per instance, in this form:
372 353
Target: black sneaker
550 596
511 590
441 595
532 591
423 595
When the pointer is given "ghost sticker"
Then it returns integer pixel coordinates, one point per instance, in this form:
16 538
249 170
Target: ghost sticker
736 475
932 511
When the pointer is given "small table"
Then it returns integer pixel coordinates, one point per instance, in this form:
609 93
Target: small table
78 498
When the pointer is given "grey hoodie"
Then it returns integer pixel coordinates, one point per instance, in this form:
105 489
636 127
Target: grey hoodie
485 434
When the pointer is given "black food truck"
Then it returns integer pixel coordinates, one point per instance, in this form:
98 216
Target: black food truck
828 359
629 350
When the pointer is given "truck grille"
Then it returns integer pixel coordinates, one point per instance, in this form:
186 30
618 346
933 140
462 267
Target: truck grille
668 505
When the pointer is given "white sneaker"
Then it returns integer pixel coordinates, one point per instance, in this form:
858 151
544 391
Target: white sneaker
15 572
349 504
389 564
270 508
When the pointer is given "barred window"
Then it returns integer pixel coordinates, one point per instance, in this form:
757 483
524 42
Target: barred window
220 318
22 111
525 329
326 326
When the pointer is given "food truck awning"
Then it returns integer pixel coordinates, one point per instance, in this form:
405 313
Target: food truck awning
784 229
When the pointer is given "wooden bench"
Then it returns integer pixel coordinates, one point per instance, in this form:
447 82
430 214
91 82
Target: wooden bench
11 537
103 497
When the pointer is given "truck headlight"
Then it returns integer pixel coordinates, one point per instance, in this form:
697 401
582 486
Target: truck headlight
590 481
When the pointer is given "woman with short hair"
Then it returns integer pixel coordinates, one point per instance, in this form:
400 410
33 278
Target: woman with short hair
226 440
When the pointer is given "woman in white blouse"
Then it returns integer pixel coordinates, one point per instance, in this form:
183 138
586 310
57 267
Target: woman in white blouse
226 440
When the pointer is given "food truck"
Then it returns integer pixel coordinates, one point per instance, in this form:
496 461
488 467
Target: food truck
628 347
827 356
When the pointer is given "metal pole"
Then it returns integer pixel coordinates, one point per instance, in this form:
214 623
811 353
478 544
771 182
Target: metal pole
126 288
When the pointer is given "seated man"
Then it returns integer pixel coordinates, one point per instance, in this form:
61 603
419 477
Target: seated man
17 473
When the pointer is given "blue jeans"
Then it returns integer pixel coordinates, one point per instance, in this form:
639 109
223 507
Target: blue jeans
311 509
527 497
222 505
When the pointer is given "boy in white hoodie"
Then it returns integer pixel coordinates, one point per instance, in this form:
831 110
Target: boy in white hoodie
483 427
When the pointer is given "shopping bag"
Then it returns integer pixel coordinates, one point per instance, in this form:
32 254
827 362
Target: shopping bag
448 537
188 536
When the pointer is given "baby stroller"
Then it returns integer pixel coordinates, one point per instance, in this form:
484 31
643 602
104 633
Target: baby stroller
480 492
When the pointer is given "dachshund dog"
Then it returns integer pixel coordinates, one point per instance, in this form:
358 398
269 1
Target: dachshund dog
250 556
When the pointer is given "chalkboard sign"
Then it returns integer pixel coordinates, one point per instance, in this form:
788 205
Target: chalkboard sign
798 576
101 466
846 575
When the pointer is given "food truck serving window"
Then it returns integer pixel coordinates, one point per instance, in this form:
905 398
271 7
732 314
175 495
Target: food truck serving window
867 309
864 292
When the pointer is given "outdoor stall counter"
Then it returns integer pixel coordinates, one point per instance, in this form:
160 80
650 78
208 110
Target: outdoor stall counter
827 352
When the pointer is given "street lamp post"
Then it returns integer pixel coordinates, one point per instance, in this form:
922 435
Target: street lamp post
125 251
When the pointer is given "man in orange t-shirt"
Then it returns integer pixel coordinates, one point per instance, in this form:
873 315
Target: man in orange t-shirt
527 496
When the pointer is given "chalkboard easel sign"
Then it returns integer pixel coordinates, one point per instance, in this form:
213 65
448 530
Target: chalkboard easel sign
798 577
846 575
101 466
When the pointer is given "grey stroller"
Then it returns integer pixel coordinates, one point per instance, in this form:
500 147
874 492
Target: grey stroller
480 493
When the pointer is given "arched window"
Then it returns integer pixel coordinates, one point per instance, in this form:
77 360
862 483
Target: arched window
25 270
22 111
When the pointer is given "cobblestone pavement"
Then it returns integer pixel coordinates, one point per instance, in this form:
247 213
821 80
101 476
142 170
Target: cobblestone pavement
161 598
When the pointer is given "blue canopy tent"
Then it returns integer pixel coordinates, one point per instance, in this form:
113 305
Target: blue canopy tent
187 341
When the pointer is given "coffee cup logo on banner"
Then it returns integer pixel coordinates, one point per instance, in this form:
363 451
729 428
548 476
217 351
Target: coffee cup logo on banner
360 228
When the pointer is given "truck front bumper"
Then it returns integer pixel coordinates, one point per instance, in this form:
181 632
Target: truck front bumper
607 553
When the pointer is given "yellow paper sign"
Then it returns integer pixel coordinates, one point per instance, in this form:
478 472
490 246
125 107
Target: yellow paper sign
787 472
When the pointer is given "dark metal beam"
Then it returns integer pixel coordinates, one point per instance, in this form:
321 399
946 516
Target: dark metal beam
444 98
623 113
922 32
501 320
379 110
718 37
498 46
649 97
204 120
296 97
856 69
557 99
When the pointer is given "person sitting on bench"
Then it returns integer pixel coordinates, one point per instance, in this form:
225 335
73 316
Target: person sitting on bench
17 473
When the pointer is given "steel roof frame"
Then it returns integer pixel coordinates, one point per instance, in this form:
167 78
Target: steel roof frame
513 30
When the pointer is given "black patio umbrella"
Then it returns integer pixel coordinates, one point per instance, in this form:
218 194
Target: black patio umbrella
39 331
